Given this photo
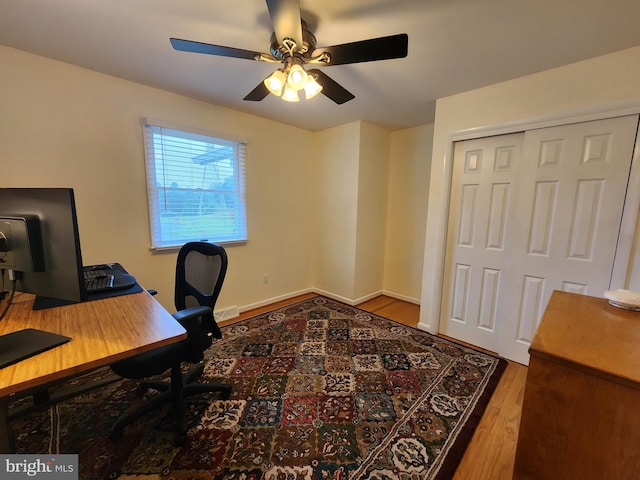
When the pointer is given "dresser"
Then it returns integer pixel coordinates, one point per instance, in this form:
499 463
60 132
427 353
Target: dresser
581 410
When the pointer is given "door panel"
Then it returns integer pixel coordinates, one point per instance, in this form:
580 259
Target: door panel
572 198
481 204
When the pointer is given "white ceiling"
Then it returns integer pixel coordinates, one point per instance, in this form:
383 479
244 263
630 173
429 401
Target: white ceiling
454 46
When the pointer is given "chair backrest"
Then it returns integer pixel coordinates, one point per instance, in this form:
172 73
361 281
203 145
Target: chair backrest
200 271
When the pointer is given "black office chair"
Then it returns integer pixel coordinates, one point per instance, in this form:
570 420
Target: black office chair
200 271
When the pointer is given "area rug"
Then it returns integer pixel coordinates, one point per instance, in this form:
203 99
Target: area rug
321 391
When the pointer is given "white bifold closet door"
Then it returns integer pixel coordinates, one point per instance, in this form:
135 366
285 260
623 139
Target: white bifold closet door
530 213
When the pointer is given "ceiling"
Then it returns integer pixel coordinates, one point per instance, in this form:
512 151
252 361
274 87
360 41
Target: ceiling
454 46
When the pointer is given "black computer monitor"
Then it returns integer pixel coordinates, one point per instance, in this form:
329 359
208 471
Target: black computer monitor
40 244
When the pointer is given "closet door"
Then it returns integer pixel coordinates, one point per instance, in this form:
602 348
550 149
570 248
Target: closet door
548 219
569 215
482 208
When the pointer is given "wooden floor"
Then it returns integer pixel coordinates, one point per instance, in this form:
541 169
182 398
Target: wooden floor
491 453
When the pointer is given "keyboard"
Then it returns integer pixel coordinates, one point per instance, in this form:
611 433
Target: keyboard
98 283
98 280
88 274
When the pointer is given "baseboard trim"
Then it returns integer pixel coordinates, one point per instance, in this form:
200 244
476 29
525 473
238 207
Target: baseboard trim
349 301
232 312
271 300
404 298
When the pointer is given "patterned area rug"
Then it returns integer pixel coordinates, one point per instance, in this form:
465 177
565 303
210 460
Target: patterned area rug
321 391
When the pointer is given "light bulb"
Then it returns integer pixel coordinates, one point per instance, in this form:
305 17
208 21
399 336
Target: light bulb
275 82
297 77
290 95
312 87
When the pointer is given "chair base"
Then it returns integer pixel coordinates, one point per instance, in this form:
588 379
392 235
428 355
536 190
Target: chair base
175 392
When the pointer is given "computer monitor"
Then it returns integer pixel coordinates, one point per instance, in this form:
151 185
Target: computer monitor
40 244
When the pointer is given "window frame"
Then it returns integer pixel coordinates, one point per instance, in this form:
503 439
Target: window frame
157 163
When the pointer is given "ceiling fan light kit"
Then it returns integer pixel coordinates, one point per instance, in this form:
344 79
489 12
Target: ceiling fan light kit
288 81
294 46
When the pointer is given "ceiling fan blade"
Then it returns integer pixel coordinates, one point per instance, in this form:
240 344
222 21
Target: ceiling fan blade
332 89
382 48
285 18
258 93
209 49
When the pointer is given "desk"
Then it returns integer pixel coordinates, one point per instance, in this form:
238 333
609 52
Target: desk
102 332
581 410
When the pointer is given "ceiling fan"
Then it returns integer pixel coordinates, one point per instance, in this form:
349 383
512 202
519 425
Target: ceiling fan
294 46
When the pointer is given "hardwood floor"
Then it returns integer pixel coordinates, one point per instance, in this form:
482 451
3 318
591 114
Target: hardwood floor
491 453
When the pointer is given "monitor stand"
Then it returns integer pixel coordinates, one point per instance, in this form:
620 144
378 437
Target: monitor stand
40 303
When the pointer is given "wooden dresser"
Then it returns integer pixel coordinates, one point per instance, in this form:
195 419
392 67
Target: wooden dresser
581 410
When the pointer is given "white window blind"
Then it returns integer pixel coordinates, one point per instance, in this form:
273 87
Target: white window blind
196 187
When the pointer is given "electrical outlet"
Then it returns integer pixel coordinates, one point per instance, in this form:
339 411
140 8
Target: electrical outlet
265 278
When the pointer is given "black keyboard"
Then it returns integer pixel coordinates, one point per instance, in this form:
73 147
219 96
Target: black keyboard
95 273
99 280
98 283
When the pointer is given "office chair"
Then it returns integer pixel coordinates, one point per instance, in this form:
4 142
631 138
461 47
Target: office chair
200 272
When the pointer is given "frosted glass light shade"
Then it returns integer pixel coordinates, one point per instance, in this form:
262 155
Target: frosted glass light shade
297 78
312 88
275 82
290 95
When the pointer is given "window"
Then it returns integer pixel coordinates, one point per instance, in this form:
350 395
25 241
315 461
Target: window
196 187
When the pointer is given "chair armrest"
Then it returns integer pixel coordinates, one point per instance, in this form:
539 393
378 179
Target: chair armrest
187 316
199 323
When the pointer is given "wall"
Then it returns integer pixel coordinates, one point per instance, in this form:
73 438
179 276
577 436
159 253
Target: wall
580 90
316 215
409 169
334 185
65 126
350 202
373 178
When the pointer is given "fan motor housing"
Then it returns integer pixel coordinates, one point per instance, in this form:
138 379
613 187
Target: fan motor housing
308 45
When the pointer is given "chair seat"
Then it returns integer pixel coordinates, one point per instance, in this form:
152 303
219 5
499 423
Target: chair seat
150 364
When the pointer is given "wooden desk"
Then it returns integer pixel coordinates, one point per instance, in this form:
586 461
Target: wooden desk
102 332
581 410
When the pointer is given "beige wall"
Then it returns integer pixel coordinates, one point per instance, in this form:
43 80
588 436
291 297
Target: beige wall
578 91
65 126
69 127
370 205
350 203
373 178
409 169
334 182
